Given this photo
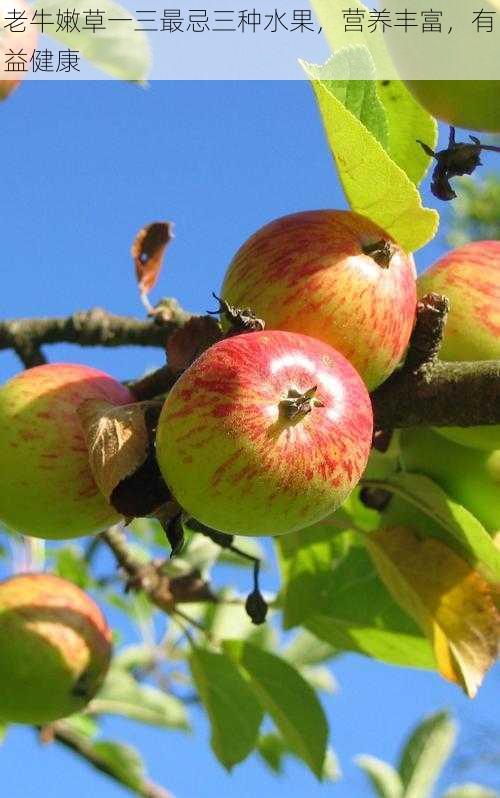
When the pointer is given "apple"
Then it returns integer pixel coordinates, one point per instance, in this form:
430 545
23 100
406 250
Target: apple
470 477
55 648
471 104
265 433
333 275
470 277
47 489
15 40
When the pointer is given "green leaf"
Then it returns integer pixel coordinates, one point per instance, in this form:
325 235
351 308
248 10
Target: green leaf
306 649
273 750
453 524
425 753
306 559
374 184
320 678
329 13
384 778
470 790
407 121
235 716
135 656
289 700
366 619
345 76
120 51
122 761
70 564
83 725
121 694
3 732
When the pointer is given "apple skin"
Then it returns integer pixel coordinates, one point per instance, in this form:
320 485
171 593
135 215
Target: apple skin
307 273
232 458
17 41
55 649
470 104
470 277
47 489
470 477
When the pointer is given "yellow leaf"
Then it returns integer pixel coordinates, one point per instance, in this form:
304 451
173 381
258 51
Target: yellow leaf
374 184
453 604
117 441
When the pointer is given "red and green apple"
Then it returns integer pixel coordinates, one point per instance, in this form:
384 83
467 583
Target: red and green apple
55 649
265 433
333 275
470 277
47 488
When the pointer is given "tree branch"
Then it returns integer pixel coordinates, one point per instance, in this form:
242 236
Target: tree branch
425 391
94 327
163 592
66 736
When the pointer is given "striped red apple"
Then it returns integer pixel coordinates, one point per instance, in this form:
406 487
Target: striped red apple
47 489
265 433
333 275
470 277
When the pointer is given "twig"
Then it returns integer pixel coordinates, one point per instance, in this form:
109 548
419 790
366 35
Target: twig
94 327
428 392
163 592
63 734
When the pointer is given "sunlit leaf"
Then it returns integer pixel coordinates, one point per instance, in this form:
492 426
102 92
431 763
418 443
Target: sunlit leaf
450 601
121 694
289 700
425 754
407 121
384 779
374 184
120 51
448 520
234 714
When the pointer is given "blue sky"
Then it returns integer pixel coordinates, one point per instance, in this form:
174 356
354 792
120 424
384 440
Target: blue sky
84 166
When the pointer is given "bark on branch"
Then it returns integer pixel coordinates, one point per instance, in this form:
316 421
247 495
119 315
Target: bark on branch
425 391
62 733
94 327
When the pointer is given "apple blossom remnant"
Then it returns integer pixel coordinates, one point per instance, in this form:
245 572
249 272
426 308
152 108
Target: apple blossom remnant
267 432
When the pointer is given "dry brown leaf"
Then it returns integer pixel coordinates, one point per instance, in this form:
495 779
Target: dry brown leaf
188 342
148 250
117 441
452 603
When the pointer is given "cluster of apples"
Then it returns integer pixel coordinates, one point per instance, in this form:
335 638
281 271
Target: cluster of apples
265 433
465 462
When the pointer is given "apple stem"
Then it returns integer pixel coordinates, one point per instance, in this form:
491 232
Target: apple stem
297 405
381 251
256 606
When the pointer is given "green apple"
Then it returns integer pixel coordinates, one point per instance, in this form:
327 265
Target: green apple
470 277
469 476
471 104
55 649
